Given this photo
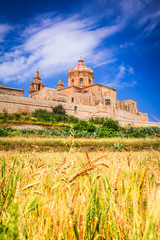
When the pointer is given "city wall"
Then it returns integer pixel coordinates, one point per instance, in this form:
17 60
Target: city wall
18 104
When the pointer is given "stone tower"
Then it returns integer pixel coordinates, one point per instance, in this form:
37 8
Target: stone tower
60 85
36 85
80 76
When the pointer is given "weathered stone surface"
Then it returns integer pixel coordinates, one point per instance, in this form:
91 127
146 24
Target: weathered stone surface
11 91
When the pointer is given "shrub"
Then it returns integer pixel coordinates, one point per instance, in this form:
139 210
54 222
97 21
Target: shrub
150 130
111 124
17 116
83 133
91 127
41 113
143 131
97 120
5 113
107 133
81 125
130 130
72 119
59 110
58 114
25 113
28 118
3 132
136 134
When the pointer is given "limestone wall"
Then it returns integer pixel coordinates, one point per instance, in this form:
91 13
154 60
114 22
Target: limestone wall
15 104
50 94
11 91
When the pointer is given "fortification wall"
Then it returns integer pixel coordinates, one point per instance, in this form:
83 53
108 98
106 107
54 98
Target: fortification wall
18 104
15 104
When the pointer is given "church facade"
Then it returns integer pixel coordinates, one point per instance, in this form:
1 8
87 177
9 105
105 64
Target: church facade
84 99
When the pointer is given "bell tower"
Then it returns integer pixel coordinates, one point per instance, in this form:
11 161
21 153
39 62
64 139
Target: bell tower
36 85
60 84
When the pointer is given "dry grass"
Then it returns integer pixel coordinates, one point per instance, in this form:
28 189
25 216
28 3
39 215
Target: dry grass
46 143
57 196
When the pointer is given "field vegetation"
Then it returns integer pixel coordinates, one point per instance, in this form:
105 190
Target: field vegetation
58 124
80 195
76 179
81 144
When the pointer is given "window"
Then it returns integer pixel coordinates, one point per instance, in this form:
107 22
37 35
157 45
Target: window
72 99
89 81
72 82
75 109
81 81
107 101
38 86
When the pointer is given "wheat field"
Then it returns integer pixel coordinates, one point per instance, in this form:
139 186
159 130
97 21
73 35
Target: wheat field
80 195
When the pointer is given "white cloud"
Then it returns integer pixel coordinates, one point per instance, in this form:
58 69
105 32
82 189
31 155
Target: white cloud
54 45
155 118
4 29
150 20
54 48
139 14
123 77
101 63
130 70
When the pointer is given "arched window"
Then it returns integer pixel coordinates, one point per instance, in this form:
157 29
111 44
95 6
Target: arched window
72 82
81 81
89 81
38 86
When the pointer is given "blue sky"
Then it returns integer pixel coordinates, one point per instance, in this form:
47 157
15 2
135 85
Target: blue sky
119 40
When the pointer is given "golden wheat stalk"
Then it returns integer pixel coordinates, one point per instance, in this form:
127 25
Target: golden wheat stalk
32 169
41 194
29 186
98 158
84 170
88 158
115 181
42 165
41 172
143 176
63 162
154 215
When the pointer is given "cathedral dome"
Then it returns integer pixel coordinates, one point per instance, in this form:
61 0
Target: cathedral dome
80 76
81 67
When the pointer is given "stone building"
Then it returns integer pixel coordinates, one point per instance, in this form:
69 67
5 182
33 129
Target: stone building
11 91
82 98
100 100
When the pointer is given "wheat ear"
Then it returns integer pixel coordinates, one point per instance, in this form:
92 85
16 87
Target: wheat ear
31 185
115 181
84 170
64 160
